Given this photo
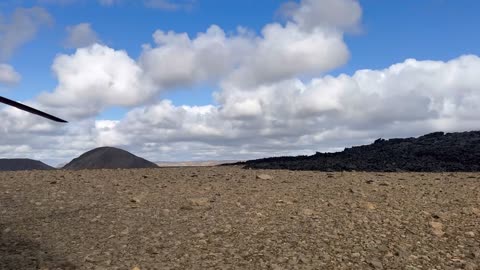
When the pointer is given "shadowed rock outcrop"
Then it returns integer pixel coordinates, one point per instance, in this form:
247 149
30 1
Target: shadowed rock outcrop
108 158
23 164
435 152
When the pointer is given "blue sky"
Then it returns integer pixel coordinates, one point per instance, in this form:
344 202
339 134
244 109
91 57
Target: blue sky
275 89
126 27
392 31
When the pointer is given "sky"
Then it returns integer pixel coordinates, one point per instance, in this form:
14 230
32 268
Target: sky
232 80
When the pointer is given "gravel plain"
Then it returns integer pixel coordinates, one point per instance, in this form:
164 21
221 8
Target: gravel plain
232 218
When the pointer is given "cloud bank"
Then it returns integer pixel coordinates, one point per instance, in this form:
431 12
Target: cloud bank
275 96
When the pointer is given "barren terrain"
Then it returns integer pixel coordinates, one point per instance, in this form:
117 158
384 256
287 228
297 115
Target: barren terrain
230 218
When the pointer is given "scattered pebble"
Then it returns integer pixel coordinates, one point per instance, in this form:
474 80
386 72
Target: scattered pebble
437 228
370 206
264 177
307 212
199 201
375 264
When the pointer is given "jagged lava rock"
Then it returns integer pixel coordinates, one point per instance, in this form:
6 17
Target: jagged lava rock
435 152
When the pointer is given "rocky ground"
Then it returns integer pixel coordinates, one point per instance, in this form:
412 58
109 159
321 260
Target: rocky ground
230 218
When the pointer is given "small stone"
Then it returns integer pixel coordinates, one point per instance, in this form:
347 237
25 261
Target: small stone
152 250
476 211
470 234
136 268
370 206
437 228
376 264
436 225
264 177
97 218
470 266
199 202
307 212
259 214
89 259
355 255
200 235
240 205
135 200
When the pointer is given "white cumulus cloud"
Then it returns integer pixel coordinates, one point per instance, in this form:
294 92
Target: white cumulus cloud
81 35
287 51
342 15
179 60
96 77
107 77
21 27
8 75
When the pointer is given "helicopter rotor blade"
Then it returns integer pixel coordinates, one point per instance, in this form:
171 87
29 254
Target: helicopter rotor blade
30 109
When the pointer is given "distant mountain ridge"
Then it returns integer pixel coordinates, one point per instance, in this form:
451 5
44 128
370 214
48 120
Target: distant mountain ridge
434 152
203 163
108 158
22 164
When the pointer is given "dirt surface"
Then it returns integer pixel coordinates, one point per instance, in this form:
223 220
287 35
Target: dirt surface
230 218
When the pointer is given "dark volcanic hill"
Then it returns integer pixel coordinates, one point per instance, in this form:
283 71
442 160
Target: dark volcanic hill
435 152
108 158
22 164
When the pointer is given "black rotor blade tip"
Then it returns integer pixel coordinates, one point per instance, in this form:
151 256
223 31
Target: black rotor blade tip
30 110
